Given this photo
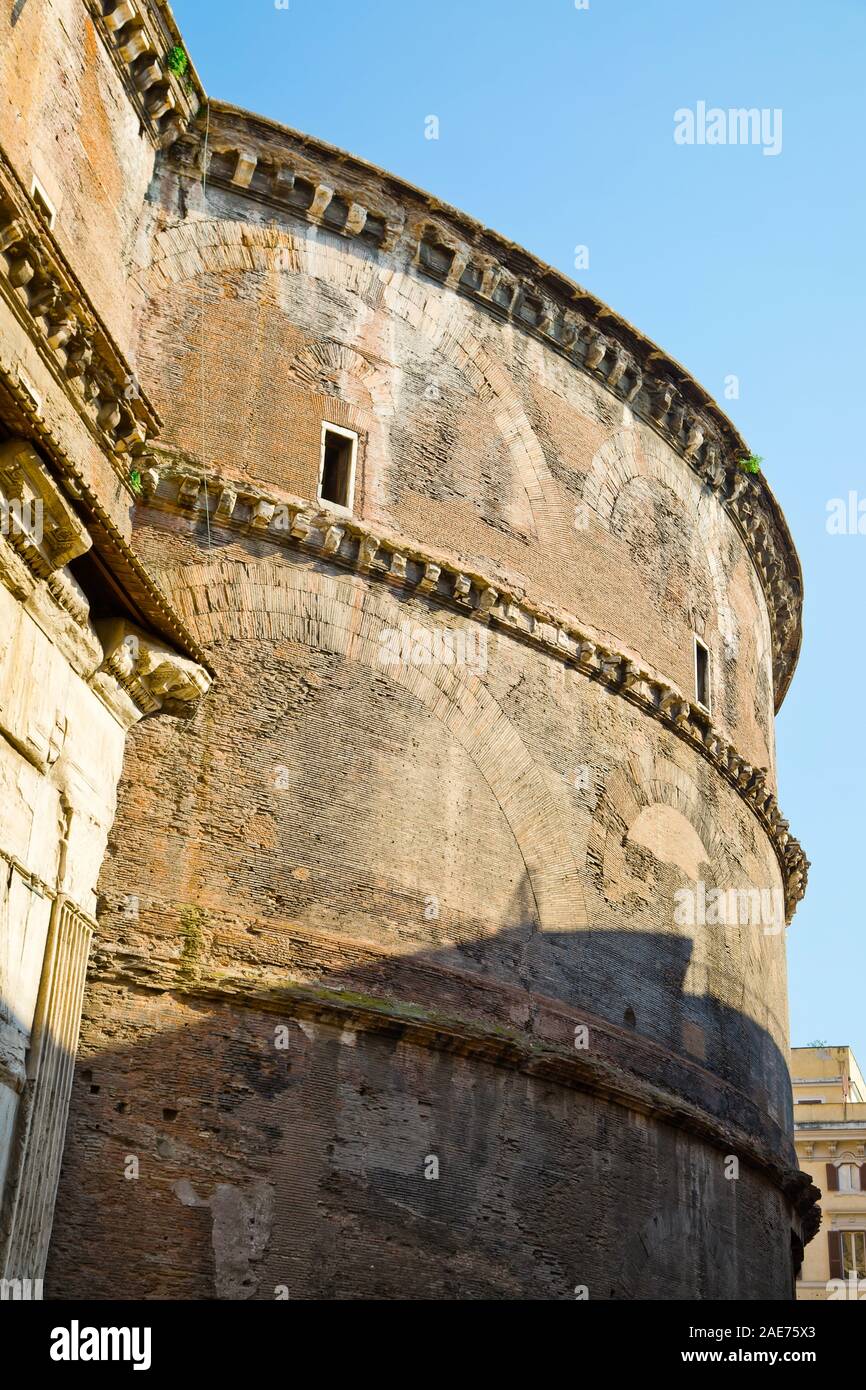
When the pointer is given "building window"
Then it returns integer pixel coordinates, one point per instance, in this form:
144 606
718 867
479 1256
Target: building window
854 1253
337 469
702 674
43 202
849 1177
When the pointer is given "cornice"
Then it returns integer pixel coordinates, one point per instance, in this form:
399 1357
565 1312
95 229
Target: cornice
294 174
28 490
829 1124
139 35
154 677
42 290
390 558
141 592
47 534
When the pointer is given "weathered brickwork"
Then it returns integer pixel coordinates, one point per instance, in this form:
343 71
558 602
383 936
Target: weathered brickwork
459 464
65 119
302 1171
299 829
393 990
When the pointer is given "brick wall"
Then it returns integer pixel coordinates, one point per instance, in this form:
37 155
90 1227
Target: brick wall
430 877
66 118
475 441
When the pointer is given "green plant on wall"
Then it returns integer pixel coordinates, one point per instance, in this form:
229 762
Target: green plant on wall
752 464
178 64
177 60
135 480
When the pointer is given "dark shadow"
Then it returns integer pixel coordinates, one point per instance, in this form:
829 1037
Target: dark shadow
310 1168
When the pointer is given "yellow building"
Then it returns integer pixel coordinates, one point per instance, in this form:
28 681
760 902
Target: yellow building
830 1136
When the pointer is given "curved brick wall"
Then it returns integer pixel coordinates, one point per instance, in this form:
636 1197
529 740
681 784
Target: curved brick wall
363 918
475 440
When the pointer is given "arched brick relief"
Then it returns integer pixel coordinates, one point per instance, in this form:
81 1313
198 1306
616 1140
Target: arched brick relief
650 787
647 780
633 454
218 246
712 531
331 369
271 602
347 389
651 807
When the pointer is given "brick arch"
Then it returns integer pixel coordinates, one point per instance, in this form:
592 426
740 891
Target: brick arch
650 779
322 366
625 456
214 246
266 601
619 460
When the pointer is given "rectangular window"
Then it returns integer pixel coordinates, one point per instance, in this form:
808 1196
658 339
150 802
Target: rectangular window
43 202
849 1177
702 674
337 470
854 1253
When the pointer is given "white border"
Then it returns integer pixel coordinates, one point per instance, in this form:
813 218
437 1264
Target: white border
346 510
699 642
37 191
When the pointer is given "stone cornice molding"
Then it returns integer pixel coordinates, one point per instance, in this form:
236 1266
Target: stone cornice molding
332 190
46 296
23 416
562 1064
139 35
45 534
154 677
37 520
382 555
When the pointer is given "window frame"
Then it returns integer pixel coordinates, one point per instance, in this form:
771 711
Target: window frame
851 1235
701 645
342 509
852 1170
43 202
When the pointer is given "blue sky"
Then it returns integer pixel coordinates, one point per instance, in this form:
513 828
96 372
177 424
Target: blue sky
556 128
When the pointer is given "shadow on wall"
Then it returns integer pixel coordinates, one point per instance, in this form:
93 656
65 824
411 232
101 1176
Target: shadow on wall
247 1137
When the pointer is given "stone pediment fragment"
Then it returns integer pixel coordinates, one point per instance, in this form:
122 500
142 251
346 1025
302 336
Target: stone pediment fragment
35 518
154 676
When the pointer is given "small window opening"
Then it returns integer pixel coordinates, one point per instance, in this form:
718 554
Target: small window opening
702 674
337 477
43 202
